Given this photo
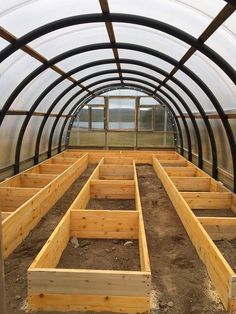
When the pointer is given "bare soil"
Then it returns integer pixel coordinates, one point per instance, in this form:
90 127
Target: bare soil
101 254
109 204
180 284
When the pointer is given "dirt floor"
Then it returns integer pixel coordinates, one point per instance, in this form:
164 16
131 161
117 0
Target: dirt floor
180 284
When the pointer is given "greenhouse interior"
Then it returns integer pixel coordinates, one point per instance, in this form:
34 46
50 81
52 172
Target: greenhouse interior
118 156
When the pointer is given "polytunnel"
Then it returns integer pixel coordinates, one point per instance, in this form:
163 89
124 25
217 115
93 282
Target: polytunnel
118 156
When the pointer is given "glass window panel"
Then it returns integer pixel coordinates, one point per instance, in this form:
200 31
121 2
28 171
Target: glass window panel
15 12
177 13
121 113
97 118
145 119
150 38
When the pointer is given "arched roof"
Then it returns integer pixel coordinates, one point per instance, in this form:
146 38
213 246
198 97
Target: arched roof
55 54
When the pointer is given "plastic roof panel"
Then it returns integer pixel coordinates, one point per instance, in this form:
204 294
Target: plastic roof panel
191 20
150 38
38 13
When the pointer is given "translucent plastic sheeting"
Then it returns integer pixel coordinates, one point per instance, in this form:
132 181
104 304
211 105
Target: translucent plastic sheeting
45 134
75 101
124 92
168 102
142 69
148 101
179 14
222 87
14 12
27 97
101 77
64 99
13 71
28 144
194 144
196 90
64 136
57 132
105 84
72 37
151 38
52 95
175 99
140 77
85 57
10 127
94 70
182 94
228 47
206 147
97 101
136 55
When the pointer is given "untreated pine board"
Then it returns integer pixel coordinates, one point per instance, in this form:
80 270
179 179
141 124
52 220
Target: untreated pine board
104 224
61 160
11 198
113 189
174 163
75 302
4 215
17 226
181 171
169 156
85 281
29 180
118 160
194 184
51 252
219 227
115 172
219 270
49 169
208 200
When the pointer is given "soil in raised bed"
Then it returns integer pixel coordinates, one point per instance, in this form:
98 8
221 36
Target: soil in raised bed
178 276
110 204
101 254
18 262
214 213
228 249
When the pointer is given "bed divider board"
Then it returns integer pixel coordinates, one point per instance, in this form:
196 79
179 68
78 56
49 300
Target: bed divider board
197 190
26 197
50 288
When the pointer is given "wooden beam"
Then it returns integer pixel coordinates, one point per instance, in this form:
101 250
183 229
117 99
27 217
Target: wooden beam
113 189
195 184
104 224
208 200
114 172
181 171
219 228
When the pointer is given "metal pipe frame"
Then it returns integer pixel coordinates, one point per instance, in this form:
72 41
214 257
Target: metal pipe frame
90 18
156 69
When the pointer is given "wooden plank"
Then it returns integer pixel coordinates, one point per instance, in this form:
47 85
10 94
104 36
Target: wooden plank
114 172
61 160
174 163
83 197
17 226
49 169
118 160
112 189
181 171
194 184
36 180
208 200
11 198
219 270
106 224
85 281
65 302
219 227
51 252
4 215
